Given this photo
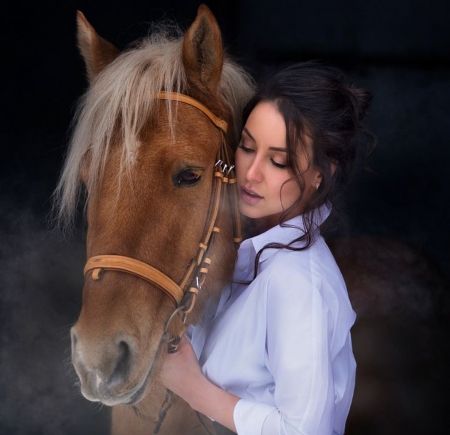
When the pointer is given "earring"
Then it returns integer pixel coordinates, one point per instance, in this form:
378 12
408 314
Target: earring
318 185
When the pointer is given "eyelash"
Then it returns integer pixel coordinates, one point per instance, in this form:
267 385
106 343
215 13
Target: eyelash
278 165
249 150
244 148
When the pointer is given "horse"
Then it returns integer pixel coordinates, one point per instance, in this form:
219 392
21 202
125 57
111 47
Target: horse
151 157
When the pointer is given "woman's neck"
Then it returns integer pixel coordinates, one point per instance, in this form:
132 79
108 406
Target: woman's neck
254 227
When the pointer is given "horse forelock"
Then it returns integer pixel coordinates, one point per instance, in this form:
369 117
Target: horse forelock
122 95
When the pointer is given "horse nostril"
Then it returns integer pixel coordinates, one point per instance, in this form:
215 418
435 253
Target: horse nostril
123 361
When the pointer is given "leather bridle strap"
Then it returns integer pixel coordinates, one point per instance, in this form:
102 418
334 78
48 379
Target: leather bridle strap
218 122
99 263
142 270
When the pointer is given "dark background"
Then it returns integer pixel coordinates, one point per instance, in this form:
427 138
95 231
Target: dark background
398 49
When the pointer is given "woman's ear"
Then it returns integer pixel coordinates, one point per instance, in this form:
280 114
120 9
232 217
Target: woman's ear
317 180
319 176
333 166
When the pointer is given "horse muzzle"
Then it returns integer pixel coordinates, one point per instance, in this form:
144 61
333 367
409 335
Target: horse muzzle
108 368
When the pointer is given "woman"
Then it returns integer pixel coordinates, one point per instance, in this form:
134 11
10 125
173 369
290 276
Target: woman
276 357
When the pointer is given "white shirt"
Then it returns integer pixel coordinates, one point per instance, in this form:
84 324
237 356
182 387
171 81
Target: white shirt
282 343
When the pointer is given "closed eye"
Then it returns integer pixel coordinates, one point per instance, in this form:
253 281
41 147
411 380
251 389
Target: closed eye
278 165
245 149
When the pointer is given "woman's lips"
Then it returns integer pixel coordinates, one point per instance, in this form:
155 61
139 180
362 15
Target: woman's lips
249 196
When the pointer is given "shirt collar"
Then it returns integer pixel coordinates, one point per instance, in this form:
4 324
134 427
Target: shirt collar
290 230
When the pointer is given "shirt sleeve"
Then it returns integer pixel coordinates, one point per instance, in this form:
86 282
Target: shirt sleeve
298 340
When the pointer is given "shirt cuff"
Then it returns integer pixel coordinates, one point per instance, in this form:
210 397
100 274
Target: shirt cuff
249 417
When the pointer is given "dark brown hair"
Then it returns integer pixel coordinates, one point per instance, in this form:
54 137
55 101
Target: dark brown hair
316 101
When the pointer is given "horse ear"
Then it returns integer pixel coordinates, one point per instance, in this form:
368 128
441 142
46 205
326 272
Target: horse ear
96 51
203 51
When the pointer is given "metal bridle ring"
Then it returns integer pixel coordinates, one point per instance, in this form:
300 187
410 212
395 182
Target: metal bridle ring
166 335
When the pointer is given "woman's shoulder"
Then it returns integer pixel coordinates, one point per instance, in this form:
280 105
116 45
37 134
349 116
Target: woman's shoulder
310 269
316 257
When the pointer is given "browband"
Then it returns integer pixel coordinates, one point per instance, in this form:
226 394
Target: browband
219 122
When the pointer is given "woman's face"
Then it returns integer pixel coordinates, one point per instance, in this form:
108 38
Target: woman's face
266 185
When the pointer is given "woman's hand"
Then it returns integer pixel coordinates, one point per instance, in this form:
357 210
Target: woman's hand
181 372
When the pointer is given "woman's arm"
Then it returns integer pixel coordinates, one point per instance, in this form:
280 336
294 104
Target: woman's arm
181 374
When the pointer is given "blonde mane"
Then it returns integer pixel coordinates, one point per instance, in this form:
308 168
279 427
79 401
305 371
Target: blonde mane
123 91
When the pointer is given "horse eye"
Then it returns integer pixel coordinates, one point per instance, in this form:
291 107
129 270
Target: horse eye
187 177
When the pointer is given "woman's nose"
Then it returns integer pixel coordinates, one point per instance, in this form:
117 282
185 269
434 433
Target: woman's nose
254 170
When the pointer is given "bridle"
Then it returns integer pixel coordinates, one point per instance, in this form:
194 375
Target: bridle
185 292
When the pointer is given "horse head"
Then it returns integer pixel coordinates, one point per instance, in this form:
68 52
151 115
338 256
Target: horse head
147 137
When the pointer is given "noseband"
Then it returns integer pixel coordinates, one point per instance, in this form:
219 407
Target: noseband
185 292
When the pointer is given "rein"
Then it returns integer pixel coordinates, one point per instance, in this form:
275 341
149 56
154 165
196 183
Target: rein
184 293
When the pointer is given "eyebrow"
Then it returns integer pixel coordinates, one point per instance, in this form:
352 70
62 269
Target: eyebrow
270 148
